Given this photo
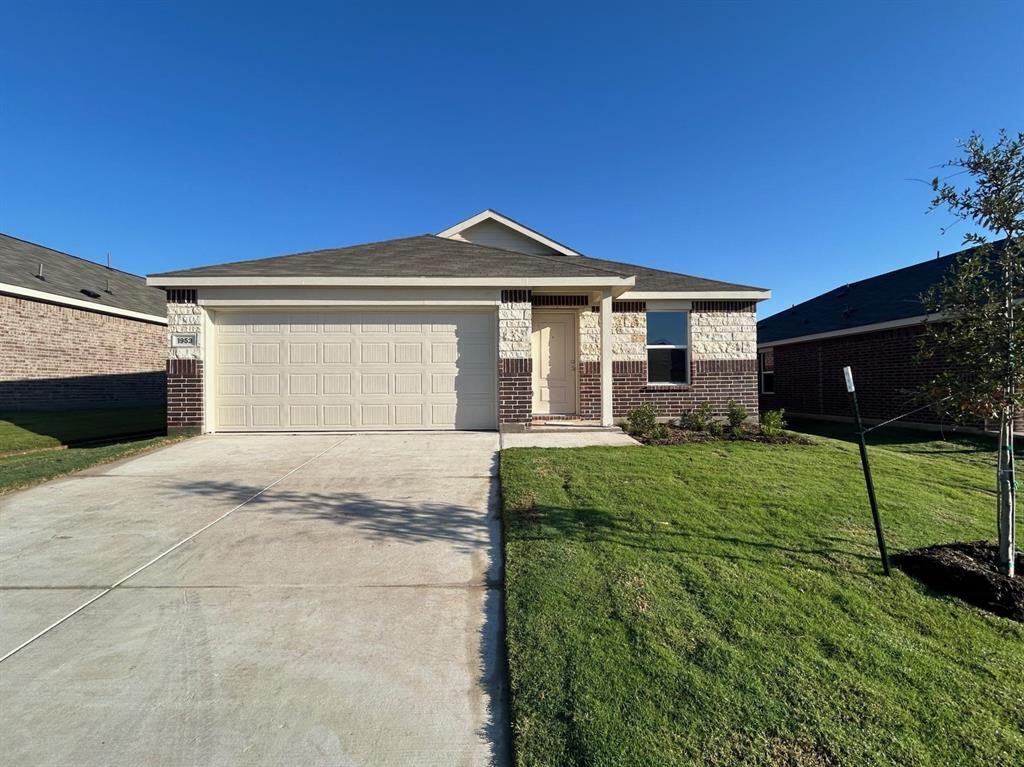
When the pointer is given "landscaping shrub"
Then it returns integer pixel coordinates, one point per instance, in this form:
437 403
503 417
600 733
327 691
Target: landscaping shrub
643 422
698 419
736 414
773 423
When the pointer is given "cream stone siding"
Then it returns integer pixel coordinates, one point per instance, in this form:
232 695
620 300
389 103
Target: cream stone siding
723 334
590 335
184 318
629 336
515 322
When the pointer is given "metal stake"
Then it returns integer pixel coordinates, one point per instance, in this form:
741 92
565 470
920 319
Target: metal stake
848 374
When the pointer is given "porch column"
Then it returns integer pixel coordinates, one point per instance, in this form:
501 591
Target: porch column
606 358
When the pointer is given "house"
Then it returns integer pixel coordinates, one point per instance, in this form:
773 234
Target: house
75 334
488 324
875 326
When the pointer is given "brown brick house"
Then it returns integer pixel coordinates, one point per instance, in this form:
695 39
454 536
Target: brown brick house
488 324
75 334
875 326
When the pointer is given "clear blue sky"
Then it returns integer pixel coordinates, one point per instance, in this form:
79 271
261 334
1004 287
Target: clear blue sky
756 143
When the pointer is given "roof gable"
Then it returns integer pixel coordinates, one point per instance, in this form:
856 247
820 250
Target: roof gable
499 231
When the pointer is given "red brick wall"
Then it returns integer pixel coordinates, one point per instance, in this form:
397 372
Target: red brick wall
184 396
809 376
713 381
58 357
515 390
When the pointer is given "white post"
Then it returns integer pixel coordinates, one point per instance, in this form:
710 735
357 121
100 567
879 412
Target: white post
606 359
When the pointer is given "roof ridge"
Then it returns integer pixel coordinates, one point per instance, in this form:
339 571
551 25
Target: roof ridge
552 259
72 255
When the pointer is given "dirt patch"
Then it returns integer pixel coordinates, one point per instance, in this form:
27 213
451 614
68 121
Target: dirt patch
969 571
679 436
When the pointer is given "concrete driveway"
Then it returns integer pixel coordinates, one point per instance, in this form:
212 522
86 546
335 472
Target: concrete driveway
277 600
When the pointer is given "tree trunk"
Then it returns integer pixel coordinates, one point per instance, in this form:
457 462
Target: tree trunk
1007 493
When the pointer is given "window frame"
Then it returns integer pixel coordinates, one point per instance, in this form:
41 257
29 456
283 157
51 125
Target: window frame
674 309
762 372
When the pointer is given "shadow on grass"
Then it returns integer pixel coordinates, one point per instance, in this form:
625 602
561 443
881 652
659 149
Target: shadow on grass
33 429
588 525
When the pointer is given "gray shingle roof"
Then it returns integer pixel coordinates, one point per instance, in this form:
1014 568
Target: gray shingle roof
885 297
432 256
67 276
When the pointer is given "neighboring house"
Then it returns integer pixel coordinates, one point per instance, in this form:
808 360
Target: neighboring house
487 325
875 326
76 334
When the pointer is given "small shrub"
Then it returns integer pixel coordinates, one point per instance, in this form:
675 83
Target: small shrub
643 422
737 414
773 423
698 419
714 428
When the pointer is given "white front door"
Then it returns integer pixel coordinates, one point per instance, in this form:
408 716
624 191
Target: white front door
554 363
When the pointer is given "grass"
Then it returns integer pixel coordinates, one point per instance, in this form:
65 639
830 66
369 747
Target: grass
722 604
33 430
27 469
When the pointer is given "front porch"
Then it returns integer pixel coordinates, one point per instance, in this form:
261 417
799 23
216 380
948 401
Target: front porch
585 359
550 370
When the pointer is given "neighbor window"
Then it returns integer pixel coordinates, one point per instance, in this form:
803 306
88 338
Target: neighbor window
667 354
767 376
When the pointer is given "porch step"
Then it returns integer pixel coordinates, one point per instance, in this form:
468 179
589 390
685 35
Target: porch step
568 426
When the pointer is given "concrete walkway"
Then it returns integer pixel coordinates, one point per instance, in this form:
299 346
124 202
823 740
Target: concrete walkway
280 599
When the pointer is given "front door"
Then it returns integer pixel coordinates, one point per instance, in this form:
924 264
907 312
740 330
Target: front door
554 363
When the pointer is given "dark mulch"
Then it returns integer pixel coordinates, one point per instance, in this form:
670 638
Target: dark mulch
679 436
969 571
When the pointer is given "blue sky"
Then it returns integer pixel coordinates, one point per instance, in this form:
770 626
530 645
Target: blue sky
764 144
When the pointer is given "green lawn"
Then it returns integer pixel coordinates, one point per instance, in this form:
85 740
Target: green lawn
26 469
36 429
722 604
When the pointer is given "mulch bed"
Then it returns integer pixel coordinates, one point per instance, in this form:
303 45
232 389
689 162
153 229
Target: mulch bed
678 436
969 571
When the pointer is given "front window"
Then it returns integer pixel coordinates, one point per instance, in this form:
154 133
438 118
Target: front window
767 376
668 359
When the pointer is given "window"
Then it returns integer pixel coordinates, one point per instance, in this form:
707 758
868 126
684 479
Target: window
767 376
668 359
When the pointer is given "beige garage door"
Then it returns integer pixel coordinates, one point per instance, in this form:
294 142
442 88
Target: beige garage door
303 371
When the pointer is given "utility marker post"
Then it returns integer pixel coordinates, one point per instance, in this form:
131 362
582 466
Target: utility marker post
848 374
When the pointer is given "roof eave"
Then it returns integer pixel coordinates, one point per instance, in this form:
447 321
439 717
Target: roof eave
749 294
195 281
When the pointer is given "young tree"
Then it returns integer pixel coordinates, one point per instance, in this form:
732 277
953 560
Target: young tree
976 333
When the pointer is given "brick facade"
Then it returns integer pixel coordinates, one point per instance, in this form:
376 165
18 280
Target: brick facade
713 381
515 391
184 396
59 357
723 361
809 376
515 363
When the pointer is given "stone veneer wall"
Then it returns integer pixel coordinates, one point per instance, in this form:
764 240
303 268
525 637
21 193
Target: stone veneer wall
184 364
515 362
59 357
723 360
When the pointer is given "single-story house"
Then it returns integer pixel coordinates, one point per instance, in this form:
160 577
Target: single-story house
488 324
875 326
76 334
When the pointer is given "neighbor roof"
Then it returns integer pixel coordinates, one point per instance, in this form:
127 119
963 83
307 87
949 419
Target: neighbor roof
431 256
67 277
886 297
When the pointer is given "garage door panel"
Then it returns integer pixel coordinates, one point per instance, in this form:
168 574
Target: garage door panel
349 370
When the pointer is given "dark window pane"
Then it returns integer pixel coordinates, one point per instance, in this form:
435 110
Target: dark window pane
667 366
666 328
768 382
